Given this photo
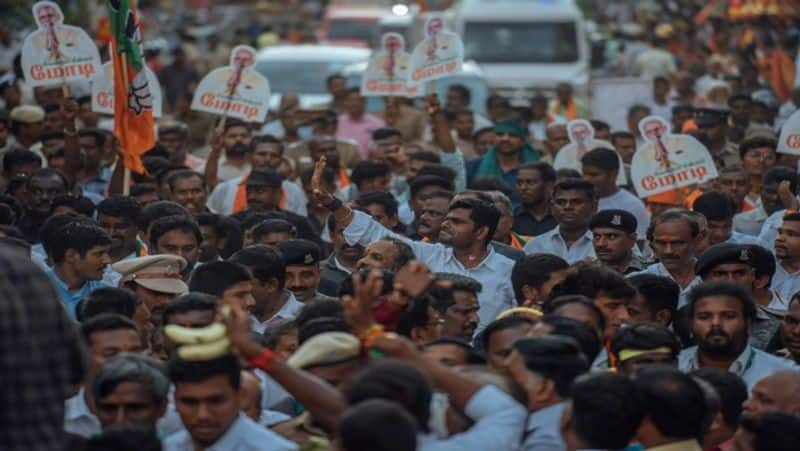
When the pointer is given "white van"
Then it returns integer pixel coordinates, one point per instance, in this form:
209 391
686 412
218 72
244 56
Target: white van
525 46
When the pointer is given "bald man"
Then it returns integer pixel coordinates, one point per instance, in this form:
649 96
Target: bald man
779 392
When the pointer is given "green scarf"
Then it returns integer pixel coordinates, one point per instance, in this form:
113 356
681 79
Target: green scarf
490 168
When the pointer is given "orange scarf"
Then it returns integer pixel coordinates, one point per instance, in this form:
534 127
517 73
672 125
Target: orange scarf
344 179
240 201
518 241
572 112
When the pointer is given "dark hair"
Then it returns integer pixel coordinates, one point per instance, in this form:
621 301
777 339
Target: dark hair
320 308
393 381
546 171
419 182
225 228
775 431
462 90
264 262
575 184
265 139
184 174
722 288
98 135
215 277
645 336
109 300
491 184
638 108
481 131
730 388
346 287
368 170
673 401
126 207
439 170
320 325
162 226
554 303
554 357
189 302
404 252
82 205
499 325
621 134
534 270
383 198
377 425
141 189
606 410
80 236
414 317
160 209
199 371
473 356
277 329
49 172
483 214
715 206
602 158
592 280
49 231
129 438
385 133
658 292
231 122
673 215
756 142
17 156
586 337
777 174
268 226
105 322
429 157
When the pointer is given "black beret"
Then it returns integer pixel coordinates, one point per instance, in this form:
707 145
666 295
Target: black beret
300 252
614 219
264 177
723 253
709 117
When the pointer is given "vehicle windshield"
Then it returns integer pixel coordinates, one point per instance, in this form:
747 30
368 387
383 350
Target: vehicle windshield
542 42
352 29
301 77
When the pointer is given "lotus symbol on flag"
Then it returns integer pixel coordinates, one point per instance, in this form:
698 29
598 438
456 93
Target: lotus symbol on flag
139 97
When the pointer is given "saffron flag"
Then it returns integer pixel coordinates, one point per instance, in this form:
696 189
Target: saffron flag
133 105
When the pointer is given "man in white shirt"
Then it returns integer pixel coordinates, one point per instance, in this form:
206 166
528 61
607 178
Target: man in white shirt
786 281
207 399
720 316
719 210
273 300
574 204
463 246
601 168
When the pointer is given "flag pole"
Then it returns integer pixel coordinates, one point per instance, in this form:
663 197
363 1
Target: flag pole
126 179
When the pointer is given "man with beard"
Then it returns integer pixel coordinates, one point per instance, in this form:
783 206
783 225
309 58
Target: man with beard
174 137
786 281
535 183
42 187
235 141
777 181
574 202
155 278
264 152
188 188
673 235
457 305
614 237
340 264
177 235
429 194
721 315
118 216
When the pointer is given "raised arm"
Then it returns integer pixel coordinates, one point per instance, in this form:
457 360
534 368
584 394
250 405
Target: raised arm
212 163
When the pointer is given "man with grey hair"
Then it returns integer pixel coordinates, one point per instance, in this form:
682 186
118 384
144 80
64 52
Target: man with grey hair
130 390
504 233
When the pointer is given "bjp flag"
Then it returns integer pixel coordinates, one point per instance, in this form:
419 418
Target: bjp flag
133 102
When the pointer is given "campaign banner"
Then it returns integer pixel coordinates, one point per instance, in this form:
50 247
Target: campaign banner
56 53
789 141
388 70
667 162
581 140
236 91
103 90
439 55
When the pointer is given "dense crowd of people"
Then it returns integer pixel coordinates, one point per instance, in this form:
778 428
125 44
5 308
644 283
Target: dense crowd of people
417 278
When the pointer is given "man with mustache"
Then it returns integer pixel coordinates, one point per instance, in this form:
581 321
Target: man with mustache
786 281
673 235
721 314
614 236
235 162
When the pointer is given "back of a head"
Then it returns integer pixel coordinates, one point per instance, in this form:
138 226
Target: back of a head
320 308
601 158
658 292
189 302
584 334
777 431
394 381
109 300
672 401
715 206
606 410
593 280
731 390
159 209
377 425
215 277
264 262
554 357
